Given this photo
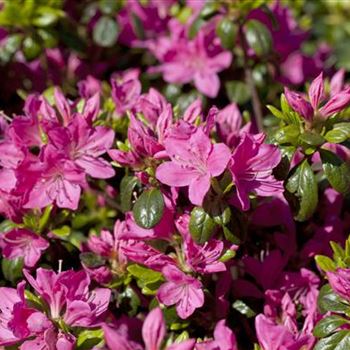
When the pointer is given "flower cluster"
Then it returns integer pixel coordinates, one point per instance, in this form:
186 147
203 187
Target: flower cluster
167 182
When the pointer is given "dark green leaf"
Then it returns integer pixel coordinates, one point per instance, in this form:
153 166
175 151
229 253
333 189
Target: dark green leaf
237 91
330 301
336 171
328 325
337 341
148 209
105 32
258 37
227 32
92 260
12 269
303 184
202 226
127 186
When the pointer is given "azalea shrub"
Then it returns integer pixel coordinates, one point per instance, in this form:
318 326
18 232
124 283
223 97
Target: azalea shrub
174 175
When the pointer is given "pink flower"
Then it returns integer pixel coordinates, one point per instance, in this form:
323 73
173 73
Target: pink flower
229 125
340 282
224 339
184 60
200 258
338 101
68 296
153 334
21 243
182 290
58 181
84 145
89 87
126 89
273 336
251 168
194 160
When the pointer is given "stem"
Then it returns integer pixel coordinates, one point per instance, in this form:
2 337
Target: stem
250 82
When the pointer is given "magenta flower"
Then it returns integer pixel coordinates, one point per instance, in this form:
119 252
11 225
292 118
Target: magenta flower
84 145
229 125
21 243
251 168
224 339
153 334
340 282
184 60
67 295
58 181
126 89
182 290
307 110
194 160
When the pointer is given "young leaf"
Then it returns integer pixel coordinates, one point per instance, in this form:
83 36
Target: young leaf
339 133
325 263
148 209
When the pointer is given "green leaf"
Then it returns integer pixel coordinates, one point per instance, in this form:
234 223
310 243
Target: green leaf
328 325
143 274
201 226
287 134
339 133
243 308
148 209
227 32
325 263
89 338
337 341
328 300
127 186
92 260
105 32
46 16
12 269
258 37
228 255
311 139
276 112
7 225
62 232
336 171
31 48
303 184
237 91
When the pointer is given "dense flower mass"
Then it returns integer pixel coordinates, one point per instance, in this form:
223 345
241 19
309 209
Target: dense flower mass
174 175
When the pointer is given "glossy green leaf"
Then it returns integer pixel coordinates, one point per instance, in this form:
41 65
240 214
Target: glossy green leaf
12 269
202 226
89 338
337 341
328 325
337 171
312 139
339 133
303 184
243 308
328 300
127 186
258 37
148 209
105 32
237 91
227 30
